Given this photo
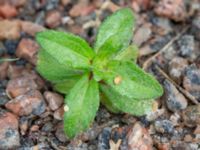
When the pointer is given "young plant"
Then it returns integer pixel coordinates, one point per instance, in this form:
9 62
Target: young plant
106 73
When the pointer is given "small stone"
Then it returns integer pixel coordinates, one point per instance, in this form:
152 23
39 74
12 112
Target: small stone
8 11
103 139
34 128
59 113
65 2
23 125
9 29
172 9
142 34
196 26
20 85
174 99
191 115
164 126
53 18
11 46
176 68
31 28
54 100
31 102
191 81
9 135
139 138
60 133
48 127
187 46
3 97
27 49
3 70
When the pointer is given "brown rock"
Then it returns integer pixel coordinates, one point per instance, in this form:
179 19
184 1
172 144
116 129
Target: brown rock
23 125
191 115
176 68
34 128
60 132
142 34
27 49
3 70
59 113
15 71
139 5
139 138
54 100
53 19
9 29
65 2
172 9
20 85
31 28
9 135
30 103
8 11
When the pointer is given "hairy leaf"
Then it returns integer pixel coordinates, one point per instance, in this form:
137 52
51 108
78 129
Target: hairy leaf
131 53
65 85
114 35
83 102
124 104
51 69
134 82
69 50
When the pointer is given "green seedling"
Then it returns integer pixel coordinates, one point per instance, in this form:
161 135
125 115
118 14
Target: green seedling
107 72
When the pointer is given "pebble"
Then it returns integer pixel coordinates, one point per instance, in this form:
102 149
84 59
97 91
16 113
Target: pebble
191 81
164 126
174 99
196 26
142 34
11 46
31 28
172 9
20 85
23 125
9 135
3 70
8 11
3 97
191 115
59 113
187 46
103 139
27 49
53 19
31 102
9 29
139 138
176 68
60 135
53 99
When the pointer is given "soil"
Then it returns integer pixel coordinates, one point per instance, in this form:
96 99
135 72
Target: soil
167 33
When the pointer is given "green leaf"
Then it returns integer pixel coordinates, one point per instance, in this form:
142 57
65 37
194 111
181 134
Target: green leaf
114 35
65 85
116 31
83 103
51 69
68 50
131 53
134 82
124 104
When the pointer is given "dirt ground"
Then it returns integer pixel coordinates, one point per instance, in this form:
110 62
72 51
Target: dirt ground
167 33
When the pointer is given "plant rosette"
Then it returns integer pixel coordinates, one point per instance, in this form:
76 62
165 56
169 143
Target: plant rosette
106 73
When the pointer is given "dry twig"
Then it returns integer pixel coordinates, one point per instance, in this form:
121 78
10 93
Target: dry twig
183 91
148 62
